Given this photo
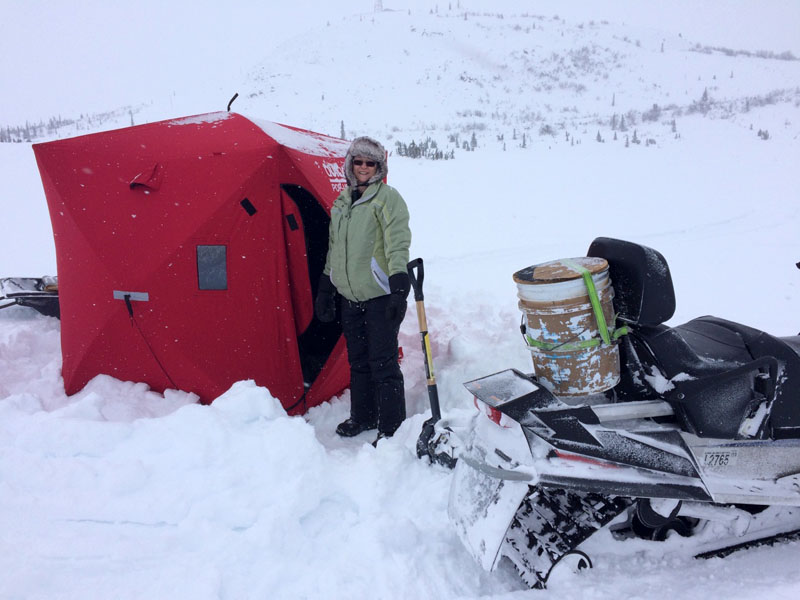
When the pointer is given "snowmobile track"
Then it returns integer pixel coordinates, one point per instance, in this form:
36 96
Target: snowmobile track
551 523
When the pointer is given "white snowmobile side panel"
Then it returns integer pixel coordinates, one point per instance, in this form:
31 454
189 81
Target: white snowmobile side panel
482 508
749 471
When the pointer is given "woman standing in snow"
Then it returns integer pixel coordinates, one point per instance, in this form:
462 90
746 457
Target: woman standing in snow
368 247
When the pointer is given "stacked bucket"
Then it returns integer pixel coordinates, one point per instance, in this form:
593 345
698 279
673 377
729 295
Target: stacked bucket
569 325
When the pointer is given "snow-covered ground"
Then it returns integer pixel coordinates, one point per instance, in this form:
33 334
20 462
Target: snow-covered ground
118 492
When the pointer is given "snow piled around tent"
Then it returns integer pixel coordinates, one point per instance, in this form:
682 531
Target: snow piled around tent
238 500
233 500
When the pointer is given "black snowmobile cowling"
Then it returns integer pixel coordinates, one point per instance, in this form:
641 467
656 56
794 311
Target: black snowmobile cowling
38 293
700 438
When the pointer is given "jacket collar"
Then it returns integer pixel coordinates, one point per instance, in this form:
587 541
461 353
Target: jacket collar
368 194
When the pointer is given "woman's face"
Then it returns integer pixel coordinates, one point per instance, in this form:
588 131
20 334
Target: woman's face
364 168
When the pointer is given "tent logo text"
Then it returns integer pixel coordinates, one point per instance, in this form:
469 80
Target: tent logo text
335 173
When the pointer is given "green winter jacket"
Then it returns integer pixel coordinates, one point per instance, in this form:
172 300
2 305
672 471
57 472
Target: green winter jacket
368 242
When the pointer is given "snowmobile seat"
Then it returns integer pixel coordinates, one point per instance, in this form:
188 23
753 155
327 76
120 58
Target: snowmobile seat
693 349
716 379
711 397
733 368
785 411
713 341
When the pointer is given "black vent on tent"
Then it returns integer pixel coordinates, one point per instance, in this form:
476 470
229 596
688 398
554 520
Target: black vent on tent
248 207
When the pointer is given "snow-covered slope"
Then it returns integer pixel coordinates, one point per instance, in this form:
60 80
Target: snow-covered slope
120 492
510 74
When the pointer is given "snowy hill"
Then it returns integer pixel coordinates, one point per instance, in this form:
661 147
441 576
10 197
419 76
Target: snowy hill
121 492
503 76
497 76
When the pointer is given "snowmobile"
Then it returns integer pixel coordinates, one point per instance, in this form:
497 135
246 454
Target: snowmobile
39 293
696 447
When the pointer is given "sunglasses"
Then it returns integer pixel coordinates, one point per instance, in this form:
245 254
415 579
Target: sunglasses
369 163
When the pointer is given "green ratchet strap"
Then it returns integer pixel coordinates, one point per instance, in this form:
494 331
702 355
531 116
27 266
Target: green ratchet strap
593 298
569 346
606 335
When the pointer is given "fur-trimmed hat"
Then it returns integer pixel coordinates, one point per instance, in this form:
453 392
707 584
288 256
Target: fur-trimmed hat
368 148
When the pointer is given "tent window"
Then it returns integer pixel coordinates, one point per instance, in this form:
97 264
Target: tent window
212 270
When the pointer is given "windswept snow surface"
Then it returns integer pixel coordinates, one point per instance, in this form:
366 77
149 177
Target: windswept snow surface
118 492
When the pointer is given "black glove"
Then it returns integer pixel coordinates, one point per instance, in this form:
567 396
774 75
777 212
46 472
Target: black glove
325 304
399 284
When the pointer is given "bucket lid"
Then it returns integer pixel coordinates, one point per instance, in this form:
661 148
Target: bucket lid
560 270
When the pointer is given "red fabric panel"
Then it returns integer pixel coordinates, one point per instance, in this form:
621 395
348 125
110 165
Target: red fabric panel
299 283
334 378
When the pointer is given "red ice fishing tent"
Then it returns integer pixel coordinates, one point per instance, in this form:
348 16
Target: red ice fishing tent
188 256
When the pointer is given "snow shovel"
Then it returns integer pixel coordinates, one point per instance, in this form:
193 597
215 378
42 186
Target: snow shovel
425 443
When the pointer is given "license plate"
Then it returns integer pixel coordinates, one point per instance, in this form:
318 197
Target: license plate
719 459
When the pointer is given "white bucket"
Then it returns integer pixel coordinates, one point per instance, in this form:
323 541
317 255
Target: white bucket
569 355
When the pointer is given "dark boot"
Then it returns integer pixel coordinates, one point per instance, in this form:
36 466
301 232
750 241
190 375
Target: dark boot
350 428
381 436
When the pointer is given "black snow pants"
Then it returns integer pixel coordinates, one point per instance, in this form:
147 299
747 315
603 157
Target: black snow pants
376 382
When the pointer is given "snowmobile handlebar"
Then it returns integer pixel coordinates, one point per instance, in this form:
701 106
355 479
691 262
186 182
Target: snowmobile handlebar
416 278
